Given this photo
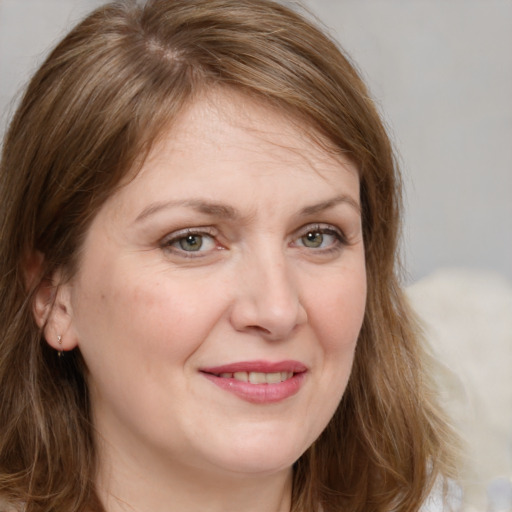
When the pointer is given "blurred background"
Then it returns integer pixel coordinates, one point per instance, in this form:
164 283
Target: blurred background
441 74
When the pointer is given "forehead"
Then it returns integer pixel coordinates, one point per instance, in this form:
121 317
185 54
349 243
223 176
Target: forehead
227 123
230 145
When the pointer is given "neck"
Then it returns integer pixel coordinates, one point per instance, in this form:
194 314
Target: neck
129 487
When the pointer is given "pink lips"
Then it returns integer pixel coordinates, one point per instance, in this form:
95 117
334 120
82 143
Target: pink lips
292 376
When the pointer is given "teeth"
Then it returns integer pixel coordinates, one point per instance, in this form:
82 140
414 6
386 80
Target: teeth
258 377
273 378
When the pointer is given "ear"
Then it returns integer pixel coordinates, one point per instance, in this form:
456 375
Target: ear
32 268
53 312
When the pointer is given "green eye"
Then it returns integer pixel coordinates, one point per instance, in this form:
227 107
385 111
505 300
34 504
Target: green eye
188 243
191 243
313 239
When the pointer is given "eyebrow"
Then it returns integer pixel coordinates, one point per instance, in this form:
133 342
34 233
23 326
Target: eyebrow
330 203
225 211
200 205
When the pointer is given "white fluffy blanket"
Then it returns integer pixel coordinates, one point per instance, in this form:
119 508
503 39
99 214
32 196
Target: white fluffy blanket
467 317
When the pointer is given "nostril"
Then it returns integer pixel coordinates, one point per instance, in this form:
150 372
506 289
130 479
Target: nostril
259 328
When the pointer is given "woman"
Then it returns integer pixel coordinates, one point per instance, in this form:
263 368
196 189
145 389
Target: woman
200 309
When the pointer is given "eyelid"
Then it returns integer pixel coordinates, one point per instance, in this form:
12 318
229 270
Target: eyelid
204 231
323 228
167 241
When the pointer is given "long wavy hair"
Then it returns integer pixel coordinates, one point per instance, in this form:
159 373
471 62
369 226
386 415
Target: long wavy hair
88 118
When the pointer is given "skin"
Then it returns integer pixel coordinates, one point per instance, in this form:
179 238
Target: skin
148 313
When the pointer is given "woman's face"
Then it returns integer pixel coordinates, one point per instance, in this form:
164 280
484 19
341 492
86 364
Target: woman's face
220 295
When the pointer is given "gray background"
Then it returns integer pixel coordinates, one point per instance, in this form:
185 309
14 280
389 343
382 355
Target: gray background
441 73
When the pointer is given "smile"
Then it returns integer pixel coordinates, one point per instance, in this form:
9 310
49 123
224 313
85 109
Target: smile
258 381
258 377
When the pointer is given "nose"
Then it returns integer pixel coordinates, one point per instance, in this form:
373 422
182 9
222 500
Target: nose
267 301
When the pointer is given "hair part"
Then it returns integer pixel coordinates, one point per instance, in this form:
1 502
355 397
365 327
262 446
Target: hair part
87 121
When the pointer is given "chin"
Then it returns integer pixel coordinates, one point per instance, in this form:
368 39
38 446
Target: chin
258 454
257 464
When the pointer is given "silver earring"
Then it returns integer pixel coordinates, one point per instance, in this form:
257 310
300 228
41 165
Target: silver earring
59 340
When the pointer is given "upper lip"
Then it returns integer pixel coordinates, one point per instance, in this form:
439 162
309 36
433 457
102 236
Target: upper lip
257 366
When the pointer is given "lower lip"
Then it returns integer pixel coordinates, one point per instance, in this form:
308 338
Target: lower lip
259 393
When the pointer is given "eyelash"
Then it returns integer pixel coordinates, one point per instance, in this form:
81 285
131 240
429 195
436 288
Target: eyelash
339 242
175 238
169 242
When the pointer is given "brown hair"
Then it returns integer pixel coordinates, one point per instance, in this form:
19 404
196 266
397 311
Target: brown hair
89 115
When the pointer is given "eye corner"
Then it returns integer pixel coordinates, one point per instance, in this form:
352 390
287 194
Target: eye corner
191 242
320 238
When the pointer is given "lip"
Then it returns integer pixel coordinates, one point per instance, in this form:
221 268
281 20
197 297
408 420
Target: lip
258 366
258 393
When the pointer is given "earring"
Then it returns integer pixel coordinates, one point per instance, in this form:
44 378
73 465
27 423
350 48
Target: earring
59 340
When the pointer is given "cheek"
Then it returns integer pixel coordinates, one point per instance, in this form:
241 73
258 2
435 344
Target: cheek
139 316
145 328
338 312
337 317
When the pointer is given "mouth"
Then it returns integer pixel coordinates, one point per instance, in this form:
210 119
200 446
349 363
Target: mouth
257 377
258 381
